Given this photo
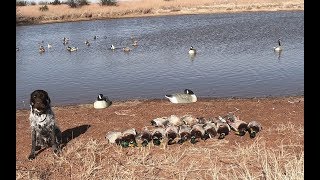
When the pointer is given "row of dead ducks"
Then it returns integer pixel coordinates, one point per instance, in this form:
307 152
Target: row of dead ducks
177 130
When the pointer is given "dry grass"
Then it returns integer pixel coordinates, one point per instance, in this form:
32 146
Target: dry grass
213 159
61 13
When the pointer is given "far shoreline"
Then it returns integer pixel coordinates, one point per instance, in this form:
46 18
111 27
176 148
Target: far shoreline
30 15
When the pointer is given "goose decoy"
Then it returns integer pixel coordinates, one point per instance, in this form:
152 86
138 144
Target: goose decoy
253 128
101 102
240 127
210 130
87 43
223 128
160 122
171 133
187 97
192 50
41 49
184 133
71 49
129 138
94 37
114 137
197 131
175 120
17 49
112 47
65 40
144 137
49 46
158 134
279 47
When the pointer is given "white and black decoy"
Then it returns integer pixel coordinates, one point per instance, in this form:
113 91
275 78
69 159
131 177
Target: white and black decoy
49 46
279 47
101 102
87 43
192 50
187 97
71 49
112 47
41 49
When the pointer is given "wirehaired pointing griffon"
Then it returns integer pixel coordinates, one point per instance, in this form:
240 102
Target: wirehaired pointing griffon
44 130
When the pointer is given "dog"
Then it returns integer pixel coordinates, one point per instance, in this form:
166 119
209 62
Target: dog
44 129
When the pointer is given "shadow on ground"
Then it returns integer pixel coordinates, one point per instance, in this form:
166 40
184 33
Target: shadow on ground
72 133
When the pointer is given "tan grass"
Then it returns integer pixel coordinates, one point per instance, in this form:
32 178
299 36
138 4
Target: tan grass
215 159
61 13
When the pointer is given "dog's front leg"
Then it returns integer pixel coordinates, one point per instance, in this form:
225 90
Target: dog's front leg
55 145
33 145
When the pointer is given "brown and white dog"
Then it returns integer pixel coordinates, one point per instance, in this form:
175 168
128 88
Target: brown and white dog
45 132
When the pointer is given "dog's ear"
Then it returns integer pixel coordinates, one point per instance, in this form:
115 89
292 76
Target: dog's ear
48 100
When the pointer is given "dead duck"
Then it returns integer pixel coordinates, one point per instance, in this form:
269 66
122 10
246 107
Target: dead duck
175 120
210 130
197 132
184 133
171 133
189 120
160 122
114 137
144 137
187 97
101 102
129 138
240 127
158 134
253 128
223 128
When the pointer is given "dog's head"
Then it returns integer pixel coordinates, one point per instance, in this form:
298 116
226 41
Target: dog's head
39 102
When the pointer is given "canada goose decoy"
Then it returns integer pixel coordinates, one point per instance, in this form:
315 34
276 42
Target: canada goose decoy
237 125
223 128
158 135
253 128
175 120
41 49
65 41
184 133
160 122
112 47
210 130
187 97
129 138
114 137
94 37
192 50
49 46
171 133
71 49
197 132
101 102
279 47
87 43
144 137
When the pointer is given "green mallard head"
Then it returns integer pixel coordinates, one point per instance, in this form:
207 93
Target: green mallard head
193 139
156 141
222 136
144 143
124 144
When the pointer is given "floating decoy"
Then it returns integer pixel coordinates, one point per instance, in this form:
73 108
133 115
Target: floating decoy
94 37
87 43
197 132
129 138
126 49
71 49
184 133
175 120
210 130
112 47
160 122
158 134
253 128
237 125
187 97
49 46
144 137
101 102
279 47
41 49
223 128
17 49
171 133
192 50
114 137
65 40
135 43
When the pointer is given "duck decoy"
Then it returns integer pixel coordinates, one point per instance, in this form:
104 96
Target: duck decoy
129 138
144 137
49 46
135 43
171 133
160 122
197 132
223 128
240 127
126 49
101 102
94 37
175 120
87 43
184 133
112 47
253 128
279 47
158 134
210 130
114 137
192 50
41 49
71 49
187 97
